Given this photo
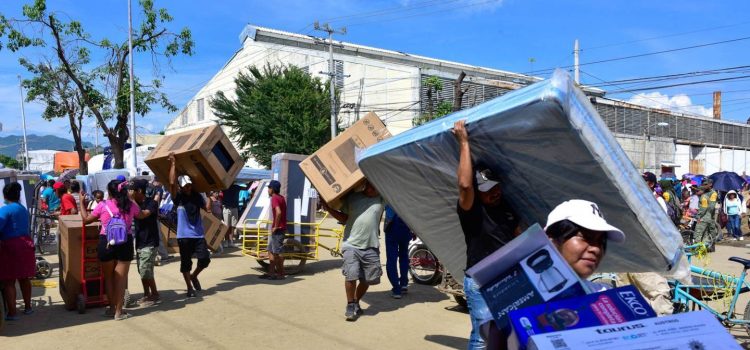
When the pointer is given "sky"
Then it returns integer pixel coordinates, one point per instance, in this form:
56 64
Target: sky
526 36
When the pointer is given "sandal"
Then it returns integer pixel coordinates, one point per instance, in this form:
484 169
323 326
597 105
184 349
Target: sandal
196 283
123 316
28 311
109 312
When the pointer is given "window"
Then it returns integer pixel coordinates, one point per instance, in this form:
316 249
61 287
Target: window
183 118
200 109
338 69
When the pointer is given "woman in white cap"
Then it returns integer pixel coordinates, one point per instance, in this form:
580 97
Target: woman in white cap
580 232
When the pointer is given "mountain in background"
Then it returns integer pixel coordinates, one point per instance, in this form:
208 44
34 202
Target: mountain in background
10 145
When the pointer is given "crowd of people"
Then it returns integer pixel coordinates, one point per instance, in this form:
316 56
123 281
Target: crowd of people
129 215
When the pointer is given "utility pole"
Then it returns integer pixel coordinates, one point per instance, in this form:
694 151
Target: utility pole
133 160
23 123
576 67
331 71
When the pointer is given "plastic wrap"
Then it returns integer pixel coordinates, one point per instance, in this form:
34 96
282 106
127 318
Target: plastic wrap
547 144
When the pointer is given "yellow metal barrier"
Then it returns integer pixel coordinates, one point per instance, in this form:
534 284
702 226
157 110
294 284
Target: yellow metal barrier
302 247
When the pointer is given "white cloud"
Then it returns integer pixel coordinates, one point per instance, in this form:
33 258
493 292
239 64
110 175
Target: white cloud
679 103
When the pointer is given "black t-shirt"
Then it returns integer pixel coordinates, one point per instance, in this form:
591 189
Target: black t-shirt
147 230
486 229
231 196
192 204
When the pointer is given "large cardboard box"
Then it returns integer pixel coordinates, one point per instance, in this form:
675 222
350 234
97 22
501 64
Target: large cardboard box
213 228
333 169
689 330
525 272
612 306
72 257
301 198
205 154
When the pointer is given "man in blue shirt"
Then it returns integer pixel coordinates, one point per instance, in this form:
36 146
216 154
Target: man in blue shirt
190 233
50 197
16 251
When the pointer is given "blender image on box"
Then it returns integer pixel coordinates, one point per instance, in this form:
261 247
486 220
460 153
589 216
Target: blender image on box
549 276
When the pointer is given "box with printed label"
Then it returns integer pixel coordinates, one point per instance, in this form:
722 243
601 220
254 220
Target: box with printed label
691 330
525 272
612 306
206 155
333 169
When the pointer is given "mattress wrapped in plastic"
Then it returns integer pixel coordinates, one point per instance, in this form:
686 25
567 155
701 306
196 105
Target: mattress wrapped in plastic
547 144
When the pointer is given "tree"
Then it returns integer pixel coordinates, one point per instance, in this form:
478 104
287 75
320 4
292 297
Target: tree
277 109
54 88
102 85
9 162
433 85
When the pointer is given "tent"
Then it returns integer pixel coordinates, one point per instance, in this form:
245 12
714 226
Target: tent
548 145
67 160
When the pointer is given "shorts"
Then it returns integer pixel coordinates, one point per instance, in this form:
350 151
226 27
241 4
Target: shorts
230 216
17 259
276 242
120 252
190 247
362 265
146 260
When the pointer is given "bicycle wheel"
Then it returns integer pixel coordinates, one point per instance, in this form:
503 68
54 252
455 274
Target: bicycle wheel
688 237
424 266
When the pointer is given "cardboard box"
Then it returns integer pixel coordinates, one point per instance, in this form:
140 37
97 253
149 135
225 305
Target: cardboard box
71 259
213 230
301 198
690 330
169 238
525 272
333 169
612 306
206 155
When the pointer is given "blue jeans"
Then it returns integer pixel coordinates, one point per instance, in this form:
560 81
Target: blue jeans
733 226
397 255
479 312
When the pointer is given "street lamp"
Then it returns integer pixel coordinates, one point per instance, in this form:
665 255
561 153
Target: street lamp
646 137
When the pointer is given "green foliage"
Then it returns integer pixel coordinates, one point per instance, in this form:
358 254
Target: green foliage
433 85
10 162
97 69
443 108
277 109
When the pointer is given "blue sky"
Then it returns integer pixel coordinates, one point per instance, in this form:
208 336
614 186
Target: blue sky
499 34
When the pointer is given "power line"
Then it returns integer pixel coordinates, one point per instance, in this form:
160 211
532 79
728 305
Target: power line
665 36
644 54
680 84
728 70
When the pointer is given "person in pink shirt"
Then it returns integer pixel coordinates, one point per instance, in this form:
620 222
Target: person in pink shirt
115 258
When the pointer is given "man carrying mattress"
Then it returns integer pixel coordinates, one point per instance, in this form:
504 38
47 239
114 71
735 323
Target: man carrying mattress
488 223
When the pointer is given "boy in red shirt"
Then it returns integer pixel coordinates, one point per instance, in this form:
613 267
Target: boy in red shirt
67 201
278 232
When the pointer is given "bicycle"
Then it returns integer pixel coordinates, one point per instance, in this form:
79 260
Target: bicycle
712 286
42 236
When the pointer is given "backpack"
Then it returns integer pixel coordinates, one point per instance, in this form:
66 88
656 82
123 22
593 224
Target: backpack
673 208
117 228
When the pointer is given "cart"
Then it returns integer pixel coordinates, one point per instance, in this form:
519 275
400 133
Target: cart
298 248
82 279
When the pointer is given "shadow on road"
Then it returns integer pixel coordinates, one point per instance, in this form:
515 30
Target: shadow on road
381 301
447 341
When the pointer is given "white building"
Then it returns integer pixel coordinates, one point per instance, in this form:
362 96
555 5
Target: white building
391 83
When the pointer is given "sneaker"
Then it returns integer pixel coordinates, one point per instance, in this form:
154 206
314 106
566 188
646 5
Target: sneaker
404 289
395 296
742 238
190 294
351 312
359 309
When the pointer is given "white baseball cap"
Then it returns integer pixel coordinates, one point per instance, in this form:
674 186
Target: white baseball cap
585 214
484 184
184 180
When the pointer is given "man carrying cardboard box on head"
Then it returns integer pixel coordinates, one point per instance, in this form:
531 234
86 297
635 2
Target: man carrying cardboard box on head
190 232
361 211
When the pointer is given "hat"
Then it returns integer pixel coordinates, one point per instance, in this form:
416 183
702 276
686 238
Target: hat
483 180
649 177
275 185
585 214
58 185
120 178
184 180
707 181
